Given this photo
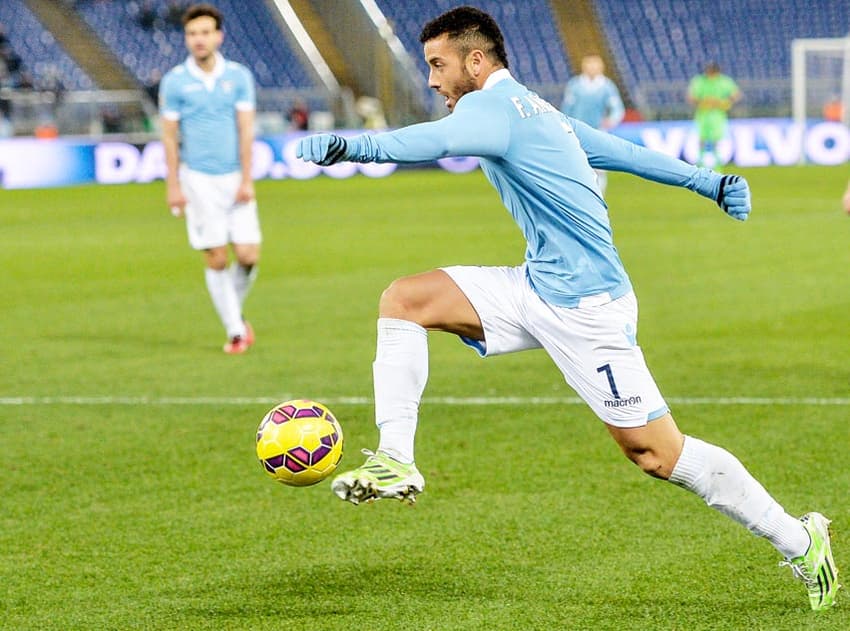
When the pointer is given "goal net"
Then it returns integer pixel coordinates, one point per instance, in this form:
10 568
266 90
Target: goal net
820 79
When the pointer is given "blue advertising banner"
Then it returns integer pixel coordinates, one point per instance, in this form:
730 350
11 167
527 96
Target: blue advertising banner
33 163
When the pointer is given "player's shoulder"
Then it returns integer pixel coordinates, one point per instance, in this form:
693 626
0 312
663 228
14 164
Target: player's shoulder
484 102
238 68
177 71
174 77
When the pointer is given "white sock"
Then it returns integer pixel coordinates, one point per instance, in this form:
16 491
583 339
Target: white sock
225 301
723 483
400 372
243 279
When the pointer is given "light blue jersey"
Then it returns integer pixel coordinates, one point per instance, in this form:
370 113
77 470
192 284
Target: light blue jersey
206 106
593 100
541 163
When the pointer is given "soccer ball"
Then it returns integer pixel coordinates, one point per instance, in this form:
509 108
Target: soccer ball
299 442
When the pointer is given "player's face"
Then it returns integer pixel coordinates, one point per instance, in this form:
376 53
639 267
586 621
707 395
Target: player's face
448 75
202 38
592 66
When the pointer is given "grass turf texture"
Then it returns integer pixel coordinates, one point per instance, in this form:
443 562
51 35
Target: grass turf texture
157 516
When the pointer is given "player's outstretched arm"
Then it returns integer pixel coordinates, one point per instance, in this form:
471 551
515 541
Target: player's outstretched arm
611 153
469 131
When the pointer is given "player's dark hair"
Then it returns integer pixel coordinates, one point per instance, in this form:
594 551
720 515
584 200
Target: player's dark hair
471 29
203 10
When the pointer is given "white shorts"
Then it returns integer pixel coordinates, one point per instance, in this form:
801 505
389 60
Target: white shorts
595 346
213 218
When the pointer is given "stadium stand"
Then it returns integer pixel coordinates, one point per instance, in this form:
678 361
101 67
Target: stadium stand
657 45
535 51
149 41
41 56
658 42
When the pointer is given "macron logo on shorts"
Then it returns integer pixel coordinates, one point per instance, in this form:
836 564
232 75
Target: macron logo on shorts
622 403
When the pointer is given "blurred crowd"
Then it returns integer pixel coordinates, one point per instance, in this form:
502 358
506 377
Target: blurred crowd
147 13
150 17
13 74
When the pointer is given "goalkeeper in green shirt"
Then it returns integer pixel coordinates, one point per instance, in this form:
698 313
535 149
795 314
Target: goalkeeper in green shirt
712 94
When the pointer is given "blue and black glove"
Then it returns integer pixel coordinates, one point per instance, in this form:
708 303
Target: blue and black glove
731 192
323 149
733 197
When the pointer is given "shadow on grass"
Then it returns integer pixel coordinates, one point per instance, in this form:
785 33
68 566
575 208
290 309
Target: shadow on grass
304 591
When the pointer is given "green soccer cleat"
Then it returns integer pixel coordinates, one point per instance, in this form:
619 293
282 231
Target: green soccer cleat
380 477
816 568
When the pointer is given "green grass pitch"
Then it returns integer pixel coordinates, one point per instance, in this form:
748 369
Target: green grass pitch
131 498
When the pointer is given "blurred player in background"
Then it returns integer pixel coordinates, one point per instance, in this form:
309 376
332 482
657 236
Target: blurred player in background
571 297
593 98
207 106
712 94
298 116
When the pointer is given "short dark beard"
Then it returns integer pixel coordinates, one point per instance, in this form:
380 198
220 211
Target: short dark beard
467 85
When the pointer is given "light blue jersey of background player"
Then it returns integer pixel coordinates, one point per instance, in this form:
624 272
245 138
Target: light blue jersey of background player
592 98
206 106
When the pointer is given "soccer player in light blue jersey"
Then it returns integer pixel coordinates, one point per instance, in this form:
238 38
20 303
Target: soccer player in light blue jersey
593 98
207 105
571 296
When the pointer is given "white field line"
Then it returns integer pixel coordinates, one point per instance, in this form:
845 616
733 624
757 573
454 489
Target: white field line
474 401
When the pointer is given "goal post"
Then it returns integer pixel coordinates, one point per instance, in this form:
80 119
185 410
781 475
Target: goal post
820 79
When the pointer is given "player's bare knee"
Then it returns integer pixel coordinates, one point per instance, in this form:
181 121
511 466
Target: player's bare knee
397 301
216 262
248 260
650 462
247 255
